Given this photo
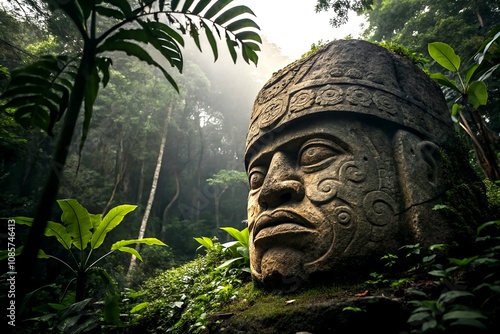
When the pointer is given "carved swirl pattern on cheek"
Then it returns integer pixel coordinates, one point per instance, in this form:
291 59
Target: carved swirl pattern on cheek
379 208
343 215
325 191
350 171
343 223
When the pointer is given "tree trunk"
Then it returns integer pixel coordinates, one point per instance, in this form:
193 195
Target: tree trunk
483 141
217 206
82 286
147 211
120 173
28 259
169 206
198 172
141 182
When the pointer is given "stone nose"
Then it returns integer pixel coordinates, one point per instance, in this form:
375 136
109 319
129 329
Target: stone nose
281 185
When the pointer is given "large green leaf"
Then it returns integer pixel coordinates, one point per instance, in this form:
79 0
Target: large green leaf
130 250
242 236
22 220
148 241
463 315
205 242
480 55
5 253
112 219
241 24
122 245
248 35
186 5
216 8
200 5
159 35
96 220
110 12
477 94
232 13
444 55
123 5
488 73
445 81
470 73
211 39
111 302
450 296
77 221
231 45
137 51
39 92
59 231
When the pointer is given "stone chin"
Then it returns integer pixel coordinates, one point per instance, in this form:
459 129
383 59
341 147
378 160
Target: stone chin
285 245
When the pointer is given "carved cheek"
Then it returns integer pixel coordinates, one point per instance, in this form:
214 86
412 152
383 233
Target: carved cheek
253 209
324 185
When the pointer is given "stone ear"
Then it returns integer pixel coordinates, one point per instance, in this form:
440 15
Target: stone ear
430 154
419 168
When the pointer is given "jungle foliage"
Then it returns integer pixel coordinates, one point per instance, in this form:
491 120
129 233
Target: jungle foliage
64 47
55 87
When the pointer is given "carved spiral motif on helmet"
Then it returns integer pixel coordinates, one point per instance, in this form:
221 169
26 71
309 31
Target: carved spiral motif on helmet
302 100
272 112
330 95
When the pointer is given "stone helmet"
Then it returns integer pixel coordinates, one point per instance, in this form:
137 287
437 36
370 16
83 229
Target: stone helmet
352 76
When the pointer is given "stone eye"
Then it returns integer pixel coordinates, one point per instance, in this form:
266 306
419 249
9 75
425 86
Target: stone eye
316 155
256 179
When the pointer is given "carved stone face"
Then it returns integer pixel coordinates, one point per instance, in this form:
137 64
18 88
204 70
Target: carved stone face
322 195
344 157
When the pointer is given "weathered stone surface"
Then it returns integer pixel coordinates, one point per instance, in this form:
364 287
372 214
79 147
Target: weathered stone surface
345 157
317 315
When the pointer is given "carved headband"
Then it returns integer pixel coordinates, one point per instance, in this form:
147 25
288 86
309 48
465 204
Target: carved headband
352 76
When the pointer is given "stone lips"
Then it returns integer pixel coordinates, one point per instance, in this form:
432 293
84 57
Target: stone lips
352 76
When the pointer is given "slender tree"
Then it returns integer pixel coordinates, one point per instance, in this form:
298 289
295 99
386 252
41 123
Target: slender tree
221 181
152 193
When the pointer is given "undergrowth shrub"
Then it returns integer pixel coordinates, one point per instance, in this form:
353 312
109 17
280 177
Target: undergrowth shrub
181 298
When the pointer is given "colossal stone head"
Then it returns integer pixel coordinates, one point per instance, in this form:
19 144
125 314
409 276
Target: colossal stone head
344 157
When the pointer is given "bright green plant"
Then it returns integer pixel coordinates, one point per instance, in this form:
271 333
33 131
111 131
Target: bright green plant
315 47
469 94
181 298
66 316
81 234
416 58
238 249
